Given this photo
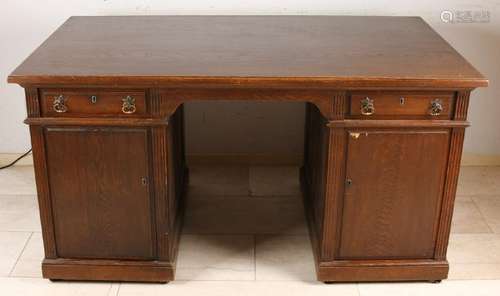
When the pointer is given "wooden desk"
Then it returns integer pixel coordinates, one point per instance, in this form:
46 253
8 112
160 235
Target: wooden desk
386 112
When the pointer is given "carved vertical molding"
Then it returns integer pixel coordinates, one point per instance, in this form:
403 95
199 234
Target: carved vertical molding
32 102
452 173
163 105
161 200
462 105
335 171
332 107
307 140
182 136
450 188
155 102
333 192
43 191
339 106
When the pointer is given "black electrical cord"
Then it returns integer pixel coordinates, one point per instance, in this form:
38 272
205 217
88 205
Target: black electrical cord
14 162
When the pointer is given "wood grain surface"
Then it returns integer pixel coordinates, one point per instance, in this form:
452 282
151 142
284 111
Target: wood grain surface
319 51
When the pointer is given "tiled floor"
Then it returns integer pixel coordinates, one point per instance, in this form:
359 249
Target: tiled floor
245 234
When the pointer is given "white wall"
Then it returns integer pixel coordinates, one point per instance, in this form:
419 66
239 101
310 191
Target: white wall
24 24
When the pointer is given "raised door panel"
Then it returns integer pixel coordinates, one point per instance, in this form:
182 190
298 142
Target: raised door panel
394 185
100 192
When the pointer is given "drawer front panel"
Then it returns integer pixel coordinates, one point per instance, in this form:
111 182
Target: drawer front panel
88 103
427 105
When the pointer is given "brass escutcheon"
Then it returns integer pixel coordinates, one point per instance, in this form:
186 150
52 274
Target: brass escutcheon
367 107
59 104
128 106
436 107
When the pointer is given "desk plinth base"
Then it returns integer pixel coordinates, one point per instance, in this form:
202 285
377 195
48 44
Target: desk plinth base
107 270
432 271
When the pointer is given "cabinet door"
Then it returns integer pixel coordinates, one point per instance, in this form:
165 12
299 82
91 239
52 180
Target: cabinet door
394 184
99 191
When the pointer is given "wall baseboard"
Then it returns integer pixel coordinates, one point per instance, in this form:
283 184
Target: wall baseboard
245 159
6 158
468 159
472 159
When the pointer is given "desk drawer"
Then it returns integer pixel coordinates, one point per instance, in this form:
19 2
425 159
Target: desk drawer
429 105
87 103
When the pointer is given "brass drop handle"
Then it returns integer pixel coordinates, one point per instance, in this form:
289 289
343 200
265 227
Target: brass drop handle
367 107
128 106
436 107
59 104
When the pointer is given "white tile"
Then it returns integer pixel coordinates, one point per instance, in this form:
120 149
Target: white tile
274 181
284 257
479 180
468 219
216 257
114 289
476 288
474 271
463 198
490 209
244 215
218 180
474 248
17 180
301 288
231 288
445 288
18 207
23 220
43 287
30 261
13 203
11 246
399 289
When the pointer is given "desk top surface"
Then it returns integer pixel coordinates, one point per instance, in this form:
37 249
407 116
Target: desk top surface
317 51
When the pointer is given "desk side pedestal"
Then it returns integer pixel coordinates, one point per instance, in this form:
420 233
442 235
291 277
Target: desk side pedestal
379 193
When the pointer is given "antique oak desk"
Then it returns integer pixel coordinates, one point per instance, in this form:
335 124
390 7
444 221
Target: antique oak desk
386 99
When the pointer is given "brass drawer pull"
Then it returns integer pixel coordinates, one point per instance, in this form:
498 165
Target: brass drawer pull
436 107
59 104
93 99
367 107
128 106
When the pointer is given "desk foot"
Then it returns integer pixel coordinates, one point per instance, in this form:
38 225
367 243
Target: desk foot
55 280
